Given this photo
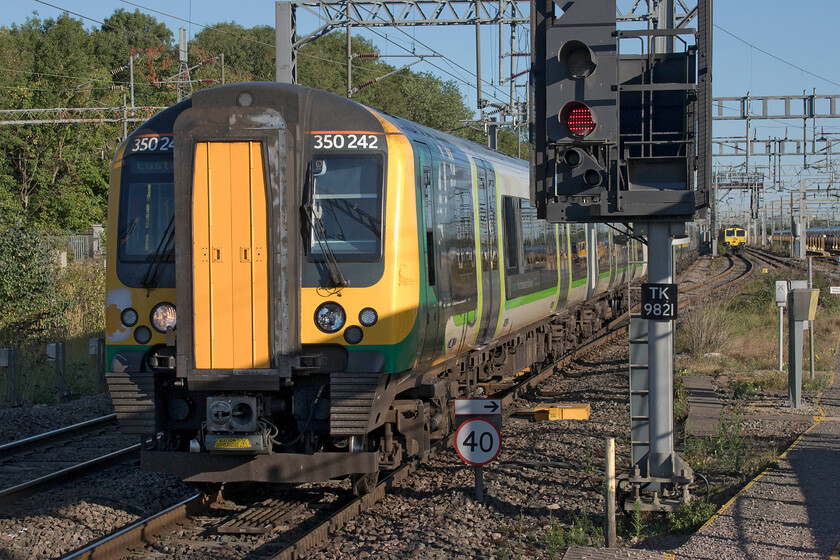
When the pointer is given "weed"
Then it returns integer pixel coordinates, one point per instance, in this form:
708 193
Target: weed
637 522
690 517
505 550
555 538
741 388
680 400
706 328
589 462
582 532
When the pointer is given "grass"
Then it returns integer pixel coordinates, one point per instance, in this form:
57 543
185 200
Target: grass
690 517
743 327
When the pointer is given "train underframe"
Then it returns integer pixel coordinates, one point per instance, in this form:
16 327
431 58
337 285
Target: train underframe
320 425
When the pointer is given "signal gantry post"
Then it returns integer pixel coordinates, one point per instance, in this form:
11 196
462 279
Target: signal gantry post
626 138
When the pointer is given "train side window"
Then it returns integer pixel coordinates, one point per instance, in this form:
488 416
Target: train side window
509 218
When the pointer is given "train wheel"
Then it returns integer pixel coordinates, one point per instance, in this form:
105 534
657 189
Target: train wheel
364 483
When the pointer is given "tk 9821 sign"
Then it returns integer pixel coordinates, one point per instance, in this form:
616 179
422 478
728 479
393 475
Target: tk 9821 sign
659 302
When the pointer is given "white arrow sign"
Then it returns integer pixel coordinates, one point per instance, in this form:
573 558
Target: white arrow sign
477 442
473 407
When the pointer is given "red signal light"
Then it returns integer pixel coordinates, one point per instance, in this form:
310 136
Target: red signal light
580 121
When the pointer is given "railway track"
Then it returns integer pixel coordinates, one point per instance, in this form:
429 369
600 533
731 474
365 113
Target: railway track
34 463
770 259
739 271
307 531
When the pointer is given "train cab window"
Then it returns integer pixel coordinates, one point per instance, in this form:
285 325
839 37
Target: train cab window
147 208
347 201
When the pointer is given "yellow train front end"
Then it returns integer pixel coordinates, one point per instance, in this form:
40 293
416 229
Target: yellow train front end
141 315
735 237
258 306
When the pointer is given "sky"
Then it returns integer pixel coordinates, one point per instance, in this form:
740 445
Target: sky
761 47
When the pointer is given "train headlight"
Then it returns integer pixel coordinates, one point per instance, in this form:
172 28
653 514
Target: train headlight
164 316
368 316
330 317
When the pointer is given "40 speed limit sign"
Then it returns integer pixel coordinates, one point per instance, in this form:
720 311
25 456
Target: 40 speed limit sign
477 442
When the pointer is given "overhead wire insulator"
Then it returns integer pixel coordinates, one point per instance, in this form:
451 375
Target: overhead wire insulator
367 55
366 84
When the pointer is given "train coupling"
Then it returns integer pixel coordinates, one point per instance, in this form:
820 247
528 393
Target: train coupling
233 426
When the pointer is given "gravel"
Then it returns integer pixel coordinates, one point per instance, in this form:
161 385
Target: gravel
62 519
548 474
21 422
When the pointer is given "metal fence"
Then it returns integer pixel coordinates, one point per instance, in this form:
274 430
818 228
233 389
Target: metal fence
81 246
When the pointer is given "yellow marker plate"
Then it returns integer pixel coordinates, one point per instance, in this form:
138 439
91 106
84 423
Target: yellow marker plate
232 443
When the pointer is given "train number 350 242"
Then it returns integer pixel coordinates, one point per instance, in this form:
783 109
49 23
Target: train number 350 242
345 142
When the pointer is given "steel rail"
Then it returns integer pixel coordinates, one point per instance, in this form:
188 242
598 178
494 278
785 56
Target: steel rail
46 436
14 492
742 278
770 258
142 532
353 508
712 279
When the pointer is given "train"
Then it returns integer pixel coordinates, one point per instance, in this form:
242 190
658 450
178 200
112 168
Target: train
819 241
734 237
299 285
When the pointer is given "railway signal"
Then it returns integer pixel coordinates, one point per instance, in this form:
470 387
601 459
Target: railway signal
621 134
618 137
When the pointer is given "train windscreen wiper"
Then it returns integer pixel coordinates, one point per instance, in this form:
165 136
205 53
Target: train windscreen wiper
320 233
164 248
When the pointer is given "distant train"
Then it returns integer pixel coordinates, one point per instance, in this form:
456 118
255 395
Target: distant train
735 237
299 285
819 241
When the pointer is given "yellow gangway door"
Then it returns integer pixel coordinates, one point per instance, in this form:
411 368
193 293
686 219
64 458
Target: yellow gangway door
230 269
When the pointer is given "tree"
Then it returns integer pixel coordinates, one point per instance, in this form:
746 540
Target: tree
47 169
30 307
249 53
422 98
126 34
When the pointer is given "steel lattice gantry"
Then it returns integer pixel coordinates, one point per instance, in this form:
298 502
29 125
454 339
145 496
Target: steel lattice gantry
333 14
71 115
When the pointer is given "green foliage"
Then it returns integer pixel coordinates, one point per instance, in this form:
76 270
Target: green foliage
249 53
637 519
727 450
741 388
690 517
420 97
55 176
582 532
555 538
31 306
681 405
